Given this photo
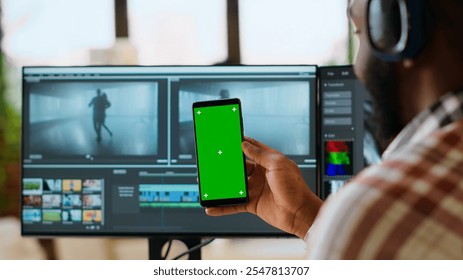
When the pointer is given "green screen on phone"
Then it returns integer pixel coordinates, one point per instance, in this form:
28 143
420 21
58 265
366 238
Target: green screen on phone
221 164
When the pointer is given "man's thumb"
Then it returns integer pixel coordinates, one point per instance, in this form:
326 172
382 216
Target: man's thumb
254 153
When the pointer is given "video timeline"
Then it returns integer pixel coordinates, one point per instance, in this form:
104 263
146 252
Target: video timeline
173 196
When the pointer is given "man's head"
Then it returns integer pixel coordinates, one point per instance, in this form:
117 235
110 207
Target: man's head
98 92
224 93
402 88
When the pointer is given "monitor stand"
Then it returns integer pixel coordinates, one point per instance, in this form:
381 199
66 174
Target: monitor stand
156 244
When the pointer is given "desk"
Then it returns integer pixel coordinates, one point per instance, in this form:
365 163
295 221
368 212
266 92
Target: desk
220 249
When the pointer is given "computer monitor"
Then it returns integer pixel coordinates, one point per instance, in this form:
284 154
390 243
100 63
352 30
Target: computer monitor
347 128
109 150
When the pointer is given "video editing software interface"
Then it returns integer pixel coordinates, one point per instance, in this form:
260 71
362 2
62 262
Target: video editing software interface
347 131
110 150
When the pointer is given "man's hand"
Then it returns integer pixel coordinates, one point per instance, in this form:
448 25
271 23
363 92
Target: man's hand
278 193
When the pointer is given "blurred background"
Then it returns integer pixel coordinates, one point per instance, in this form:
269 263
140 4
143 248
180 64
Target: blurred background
151 32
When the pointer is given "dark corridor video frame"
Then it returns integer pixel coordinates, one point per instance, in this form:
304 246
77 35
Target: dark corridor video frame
72 118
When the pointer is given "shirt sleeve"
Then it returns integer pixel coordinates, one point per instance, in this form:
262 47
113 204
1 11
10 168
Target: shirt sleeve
407 207
333 232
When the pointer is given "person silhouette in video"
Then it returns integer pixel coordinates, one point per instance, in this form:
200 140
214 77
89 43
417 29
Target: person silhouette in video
107 105
100 103
224 94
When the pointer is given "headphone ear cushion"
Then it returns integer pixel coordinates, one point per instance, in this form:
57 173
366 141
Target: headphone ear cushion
385 24
397 29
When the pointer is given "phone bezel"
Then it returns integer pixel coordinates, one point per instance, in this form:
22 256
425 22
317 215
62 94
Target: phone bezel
226 201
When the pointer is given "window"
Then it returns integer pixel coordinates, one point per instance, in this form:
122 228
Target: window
293 32
178 31
55 32
174 32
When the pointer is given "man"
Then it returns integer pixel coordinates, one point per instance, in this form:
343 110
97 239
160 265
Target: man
224 94
100 103
411 205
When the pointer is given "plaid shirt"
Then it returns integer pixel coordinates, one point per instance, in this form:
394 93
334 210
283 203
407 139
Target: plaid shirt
408 207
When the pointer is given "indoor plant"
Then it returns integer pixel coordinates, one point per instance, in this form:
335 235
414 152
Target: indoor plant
10 129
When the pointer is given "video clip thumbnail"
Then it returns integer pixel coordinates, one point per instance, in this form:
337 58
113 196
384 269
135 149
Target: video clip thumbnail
52 185
92 216
74 215
51 215
92 185
32 201
72 200
91 200
32 186
32 215
72 185
51 200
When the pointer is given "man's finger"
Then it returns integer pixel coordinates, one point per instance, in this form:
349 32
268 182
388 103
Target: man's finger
250 165
259 155
259 144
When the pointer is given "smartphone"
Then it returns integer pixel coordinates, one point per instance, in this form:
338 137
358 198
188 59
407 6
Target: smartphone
218 126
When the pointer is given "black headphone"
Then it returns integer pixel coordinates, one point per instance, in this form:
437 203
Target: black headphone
398 29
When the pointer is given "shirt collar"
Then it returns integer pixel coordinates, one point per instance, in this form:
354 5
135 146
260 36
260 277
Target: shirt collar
446 110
